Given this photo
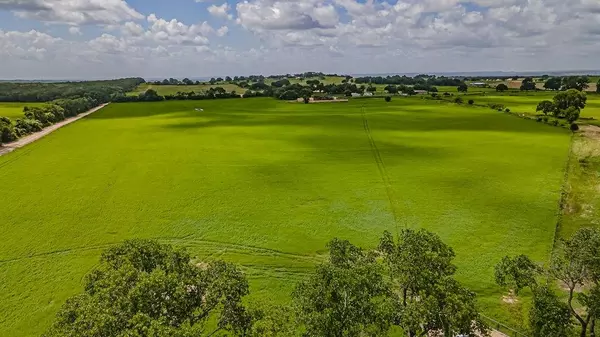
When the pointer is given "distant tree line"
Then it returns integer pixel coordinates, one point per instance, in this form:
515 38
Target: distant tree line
143 288
100 91
424 80
36 118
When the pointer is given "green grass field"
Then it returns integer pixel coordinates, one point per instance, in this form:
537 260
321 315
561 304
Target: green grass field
527 102
266 184
173 89
15 110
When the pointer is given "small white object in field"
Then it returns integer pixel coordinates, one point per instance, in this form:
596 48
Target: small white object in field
198 109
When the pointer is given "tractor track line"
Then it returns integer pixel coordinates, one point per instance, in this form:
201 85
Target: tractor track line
381 167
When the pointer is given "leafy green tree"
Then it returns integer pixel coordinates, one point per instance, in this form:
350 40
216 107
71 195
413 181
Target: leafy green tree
187 81
546 107
517 273
549 317
346 296
471 102
392 89
7 131
272 321
579 83
388 99
528 84
576 266
501 87
598 87
143 288
570 98
462 87
431 300
572 114
554 83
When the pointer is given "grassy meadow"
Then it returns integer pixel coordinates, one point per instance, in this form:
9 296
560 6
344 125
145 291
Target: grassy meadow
173 89
15 110
266 184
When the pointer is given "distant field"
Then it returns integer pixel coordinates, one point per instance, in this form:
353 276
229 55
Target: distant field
266 184
15 110
527 102
173 89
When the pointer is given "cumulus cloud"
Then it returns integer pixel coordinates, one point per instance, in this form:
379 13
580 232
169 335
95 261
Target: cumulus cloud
73 12
221 11
282 15
350 36
75 31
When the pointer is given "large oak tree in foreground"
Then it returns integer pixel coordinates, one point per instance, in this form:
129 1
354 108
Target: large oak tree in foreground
143 288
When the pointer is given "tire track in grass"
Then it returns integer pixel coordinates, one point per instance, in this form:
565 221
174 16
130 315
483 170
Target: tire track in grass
252 250
381 167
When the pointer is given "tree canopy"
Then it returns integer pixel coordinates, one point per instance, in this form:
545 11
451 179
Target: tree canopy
143 288
346 296
430 299
501 87
576 267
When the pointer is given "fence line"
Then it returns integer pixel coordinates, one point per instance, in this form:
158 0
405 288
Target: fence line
503 328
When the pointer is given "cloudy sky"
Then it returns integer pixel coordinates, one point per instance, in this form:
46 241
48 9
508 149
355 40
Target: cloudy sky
76 39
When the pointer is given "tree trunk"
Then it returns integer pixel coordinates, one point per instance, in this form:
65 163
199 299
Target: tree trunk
574 313
593 328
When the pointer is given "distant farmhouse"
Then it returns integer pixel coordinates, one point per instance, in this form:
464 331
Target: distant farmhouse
478 84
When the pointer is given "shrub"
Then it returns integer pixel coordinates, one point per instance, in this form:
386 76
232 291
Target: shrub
388 99
538 119
545 119
574 127
554 123
507 110
471 102
458 100
496 106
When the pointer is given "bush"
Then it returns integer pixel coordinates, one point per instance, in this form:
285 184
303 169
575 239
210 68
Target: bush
471 102
545 119
538 119
496 106
574 127
388 99
458 100
507 110
554 123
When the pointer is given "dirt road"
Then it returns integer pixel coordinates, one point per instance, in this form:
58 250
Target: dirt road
19 143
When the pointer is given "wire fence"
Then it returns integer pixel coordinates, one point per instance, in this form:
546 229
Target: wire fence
503 328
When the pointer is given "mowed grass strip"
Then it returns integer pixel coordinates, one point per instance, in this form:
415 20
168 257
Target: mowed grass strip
266 184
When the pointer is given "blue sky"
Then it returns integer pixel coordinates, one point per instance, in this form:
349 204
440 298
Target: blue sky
78 39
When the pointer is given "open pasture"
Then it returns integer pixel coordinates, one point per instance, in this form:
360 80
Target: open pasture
266 184
173 89
15 110
527 102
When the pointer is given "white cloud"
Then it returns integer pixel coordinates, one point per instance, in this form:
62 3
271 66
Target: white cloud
73 12
282 15
221 11
222 31
287 36
74 30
